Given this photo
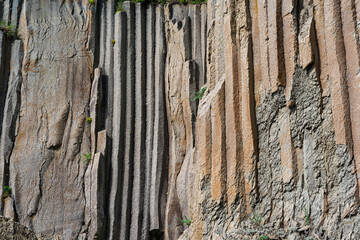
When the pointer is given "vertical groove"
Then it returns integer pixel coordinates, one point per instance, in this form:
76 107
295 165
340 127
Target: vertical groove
232 112
15 14
11 111
139 143
119 137
129 131
159 158
102 32
248 125
264 47
3 76
203 44
6 11
150 98
352 74
109 64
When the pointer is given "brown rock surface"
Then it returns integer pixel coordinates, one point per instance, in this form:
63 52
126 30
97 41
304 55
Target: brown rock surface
242 116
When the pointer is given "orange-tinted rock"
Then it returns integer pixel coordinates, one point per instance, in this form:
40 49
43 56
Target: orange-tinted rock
337 73
218 145
276 54
306 38
290 41
321 42
352 47
232 114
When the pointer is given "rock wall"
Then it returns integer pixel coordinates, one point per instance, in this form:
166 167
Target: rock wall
273 143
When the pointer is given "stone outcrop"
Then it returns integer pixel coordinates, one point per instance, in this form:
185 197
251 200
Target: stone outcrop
240 115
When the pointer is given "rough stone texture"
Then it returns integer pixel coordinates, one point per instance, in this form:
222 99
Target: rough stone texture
271 147
11 230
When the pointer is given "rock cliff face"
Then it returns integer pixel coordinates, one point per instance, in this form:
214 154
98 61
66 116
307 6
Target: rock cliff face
241 115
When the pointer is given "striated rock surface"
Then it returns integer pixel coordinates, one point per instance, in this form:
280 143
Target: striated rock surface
240 115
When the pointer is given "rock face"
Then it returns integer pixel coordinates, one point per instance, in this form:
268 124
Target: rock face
240 115
13 230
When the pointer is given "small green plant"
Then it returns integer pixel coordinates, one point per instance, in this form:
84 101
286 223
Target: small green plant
256 219
88 157
9 30
199 94
113 42
89 120
186 220
7 191
91 2
264 237
307 218
119 6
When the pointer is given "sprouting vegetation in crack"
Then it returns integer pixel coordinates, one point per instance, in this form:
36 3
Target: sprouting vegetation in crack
7 191
199 94
264 237
88 157
113 42
306 217
9 30
89 120
91 2
186 221
256 219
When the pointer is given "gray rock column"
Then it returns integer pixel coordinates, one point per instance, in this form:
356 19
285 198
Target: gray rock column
150 108
11 110
159 155
119 124
137 212
130 127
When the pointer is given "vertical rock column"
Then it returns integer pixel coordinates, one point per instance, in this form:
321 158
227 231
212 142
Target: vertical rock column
128 164
139 158
119 124
160 151
9 120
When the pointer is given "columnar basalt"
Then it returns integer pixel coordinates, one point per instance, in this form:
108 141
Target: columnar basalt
234 113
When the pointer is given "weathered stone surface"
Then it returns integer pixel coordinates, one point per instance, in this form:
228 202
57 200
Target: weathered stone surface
12 230
306 38
10 116
47 182
271 143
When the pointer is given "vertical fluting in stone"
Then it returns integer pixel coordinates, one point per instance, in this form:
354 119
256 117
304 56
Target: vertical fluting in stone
139 154
150 114
337 73
352 50
95 180
119 124
15 12
6 9
294 63
218 146
108 77
125 220
3 75
137 202
276 54
262 10
256 50
248 118
289 31
232 111
159 167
